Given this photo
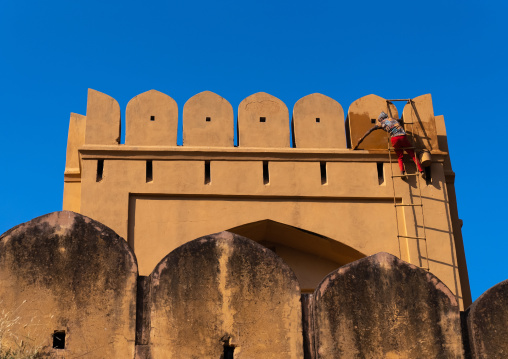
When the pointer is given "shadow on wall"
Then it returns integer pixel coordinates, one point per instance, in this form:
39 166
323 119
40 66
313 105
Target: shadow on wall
310 255
69 287
317 121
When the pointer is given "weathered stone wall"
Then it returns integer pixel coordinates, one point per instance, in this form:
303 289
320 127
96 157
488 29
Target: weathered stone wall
488 323
224 289
67 273
225 296
382 307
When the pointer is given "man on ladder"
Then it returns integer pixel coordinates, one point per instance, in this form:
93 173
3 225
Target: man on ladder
399 140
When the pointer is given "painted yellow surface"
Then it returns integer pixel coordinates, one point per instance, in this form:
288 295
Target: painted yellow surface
102 119
318 122
422 121
208 121
151 119
263 121
317 208
362 115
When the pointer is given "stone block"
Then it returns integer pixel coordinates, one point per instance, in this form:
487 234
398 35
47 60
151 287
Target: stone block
362 115
263 121
419 120
67 280
208 121
488 323
318 122
223 293
151 119
382 307
103 118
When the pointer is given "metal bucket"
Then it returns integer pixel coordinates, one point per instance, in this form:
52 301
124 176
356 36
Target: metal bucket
425 158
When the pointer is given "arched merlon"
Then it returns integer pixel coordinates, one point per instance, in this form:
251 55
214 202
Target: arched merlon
224 289
318 122
362 115
208 121
421 122
75 139
66 272
382 307
263 121
488 323
102 119
151 119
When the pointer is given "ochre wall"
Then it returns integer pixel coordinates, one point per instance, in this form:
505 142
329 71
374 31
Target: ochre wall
64 273
339 194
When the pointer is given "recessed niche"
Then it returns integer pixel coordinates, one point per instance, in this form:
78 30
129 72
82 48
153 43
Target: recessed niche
208 119
59 339
318 120
266 174
100 170
262 119
380 173
149 171
152 118
324 176
208 178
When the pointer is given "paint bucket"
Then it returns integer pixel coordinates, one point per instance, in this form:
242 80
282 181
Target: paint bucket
425 158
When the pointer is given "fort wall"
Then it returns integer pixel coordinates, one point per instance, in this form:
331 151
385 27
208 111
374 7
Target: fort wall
69 288
159 195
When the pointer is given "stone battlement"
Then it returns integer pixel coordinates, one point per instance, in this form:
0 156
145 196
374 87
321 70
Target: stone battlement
317 204
318 121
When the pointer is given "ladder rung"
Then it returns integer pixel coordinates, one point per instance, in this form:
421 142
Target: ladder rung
409 123
409 174
408 205
412 237
402 148
401 99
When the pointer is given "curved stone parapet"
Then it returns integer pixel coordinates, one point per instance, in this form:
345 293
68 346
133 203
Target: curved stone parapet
382 307
68 280
421 122
488 323
151 119
318 122
102 119
263 121
208 121
362 115
222 293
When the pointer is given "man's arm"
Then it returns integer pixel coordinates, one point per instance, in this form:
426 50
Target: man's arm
376 127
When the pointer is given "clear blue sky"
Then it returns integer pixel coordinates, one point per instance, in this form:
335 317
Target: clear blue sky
51 52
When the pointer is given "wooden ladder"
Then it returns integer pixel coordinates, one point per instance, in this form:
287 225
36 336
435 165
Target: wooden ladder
418 195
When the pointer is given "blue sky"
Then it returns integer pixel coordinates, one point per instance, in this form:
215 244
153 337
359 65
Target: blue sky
52 52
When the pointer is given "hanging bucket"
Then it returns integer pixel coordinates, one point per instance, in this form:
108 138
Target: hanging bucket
425 158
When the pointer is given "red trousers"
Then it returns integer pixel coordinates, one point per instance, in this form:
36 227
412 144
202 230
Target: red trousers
400 143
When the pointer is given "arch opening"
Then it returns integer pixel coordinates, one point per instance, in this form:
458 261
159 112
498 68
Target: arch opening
310 255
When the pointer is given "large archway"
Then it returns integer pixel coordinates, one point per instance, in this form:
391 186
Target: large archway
310 255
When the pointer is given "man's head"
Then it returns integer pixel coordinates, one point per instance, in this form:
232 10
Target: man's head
382 116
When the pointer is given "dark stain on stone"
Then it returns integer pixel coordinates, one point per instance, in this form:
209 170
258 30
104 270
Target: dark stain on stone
384 304
487 323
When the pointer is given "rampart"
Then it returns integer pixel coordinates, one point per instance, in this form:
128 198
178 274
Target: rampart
69 288
319 204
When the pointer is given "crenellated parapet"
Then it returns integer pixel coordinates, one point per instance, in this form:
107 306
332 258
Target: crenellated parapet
151 119
150 189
